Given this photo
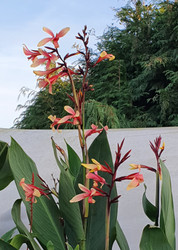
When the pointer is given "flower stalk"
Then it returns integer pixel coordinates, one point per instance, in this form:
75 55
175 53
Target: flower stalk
107 223
157 197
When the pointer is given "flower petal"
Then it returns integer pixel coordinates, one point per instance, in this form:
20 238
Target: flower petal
38 62
91 200
103 54
134 183
69 110
36 193
44 41
83 188
42 83
62 32
48 31
92 167
64 119
78 197
26 51
52 118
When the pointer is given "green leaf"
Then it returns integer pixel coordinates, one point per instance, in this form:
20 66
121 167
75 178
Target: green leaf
46 217
70 211
21 227
69 247
18 240
6 246
50 245
149 209
167 217
77 247
7 236
154 239
3 153
74 161
6 175
120 238
100 151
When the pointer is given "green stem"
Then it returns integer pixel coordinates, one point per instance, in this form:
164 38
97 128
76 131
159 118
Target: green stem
107 225
83 245
157 196
73 90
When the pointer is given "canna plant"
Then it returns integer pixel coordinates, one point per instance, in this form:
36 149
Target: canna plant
160 235
81 212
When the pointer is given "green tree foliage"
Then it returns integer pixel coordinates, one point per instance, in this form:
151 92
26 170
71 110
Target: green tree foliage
42 104
100 114
142 82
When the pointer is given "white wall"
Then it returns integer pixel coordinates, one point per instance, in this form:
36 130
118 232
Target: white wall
37 144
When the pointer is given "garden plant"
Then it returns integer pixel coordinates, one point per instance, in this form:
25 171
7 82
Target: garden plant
81 211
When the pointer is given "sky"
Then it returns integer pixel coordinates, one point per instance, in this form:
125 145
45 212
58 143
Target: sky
21 22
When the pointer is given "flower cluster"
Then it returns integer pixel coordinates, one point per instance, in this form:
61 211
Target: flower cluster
50 56
157 149
31 192
97 190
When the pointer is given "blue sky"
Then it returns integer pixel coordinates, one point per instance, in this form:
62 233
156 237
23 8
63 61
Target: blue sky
21 22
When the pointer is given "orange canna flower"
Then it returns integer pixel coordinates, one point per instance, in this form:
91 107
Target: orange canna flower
43 83
50 80
48 59
135 178
31 191
96 166
54 121
73 115
96 178
103 56
31 55
53 39
94 129
88 193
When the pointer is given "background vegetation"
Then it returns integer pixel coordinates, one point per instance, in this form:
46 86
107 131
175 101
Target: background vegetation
140 87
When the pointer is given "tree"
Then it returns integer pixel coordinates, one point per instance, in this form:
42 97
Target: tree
146 66
42 104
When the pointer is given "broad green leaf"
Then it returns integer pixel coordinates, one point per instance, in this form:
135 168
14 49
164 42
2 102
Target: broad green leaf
74 161
50 245
7 236
3 153
120 238
21 227
149 209
6 175
46 217
100 151
70 211
154 239
18 240
167 217
6 246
